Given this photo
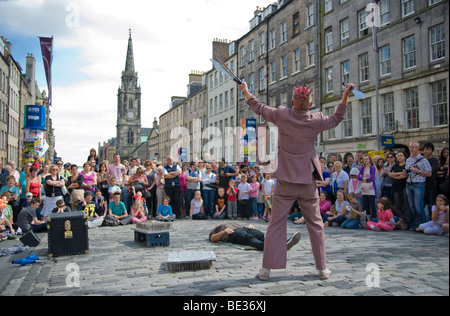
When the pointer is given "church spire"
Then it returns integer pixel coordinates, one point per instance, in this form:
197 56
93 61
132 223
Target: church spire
129 66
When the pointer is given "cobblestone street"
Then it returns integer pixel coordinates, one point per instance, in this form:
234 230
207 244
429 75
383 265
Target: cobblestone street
409 264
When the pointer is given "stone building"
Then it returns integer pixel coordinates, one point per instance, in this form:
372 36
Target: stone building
170 127
128 136
411 72
222 103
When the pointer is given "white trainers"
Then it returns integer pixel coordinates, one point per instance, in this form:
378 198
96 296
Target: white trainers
263 274
324 274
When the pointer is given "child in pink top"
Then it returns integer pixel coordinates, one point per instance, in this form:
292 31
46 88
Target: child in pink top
386 220
324 203
138 212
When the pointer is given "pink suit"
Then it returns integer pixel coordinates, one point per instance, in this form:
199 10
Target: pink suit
298 169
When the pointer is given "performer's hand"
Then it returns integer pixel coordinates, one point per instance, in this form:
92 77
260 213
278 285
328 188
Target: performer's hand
349 88
243 87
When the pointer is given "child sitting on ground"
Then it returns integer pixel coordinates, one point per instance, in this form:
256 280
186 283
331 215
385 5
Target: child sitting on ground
355 210
439 216
197 210
386 221
164 213
138 212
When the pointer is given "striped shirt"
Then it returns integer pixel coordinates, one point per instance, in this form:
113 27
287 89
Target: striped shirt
419 162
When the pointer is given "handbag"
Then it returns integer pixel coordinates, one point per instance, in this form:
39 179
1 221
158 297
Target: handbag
64 190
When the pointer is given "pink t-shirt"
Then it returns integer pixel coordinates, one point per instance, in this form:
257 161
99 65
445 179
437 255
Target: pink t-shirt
117 172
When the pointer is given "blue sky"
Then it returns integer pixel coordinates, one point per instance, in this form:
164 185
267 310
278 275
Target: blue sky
90 45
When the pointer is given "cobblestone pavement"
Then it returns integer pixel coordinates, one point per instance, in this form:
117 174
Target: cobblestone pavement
363 263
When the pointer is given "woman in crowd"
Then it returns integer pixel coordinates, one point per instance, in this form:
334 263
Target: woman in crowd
89 178
75 186
160 183
209 189
150 172
53 184
386 180
367 176
399 185
339 178
103 180
34 183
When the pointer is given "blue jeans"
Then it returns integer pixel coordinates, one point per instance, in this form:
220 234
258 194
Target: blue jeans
253 206
351 224
415 194
208 198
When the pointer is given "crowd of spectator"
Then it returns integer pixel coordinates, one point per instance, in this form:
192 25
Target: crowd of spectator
397 190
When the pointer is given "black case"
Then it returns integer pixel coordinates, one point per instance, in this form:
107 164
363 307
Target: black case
67 234
30 239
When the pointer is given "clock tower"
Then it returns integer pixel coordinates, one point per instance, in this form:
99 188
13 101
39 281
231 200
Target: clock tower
128 108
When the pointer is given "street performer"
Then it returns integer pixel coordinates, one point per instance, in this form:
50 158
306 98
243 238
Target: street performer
297 173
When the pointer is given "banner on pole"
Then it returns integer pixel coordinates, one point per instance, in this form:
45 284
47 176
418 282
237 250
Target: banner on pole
47 55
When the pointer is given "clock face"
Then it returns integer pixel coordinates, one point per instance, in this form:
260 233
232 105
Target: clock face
130 115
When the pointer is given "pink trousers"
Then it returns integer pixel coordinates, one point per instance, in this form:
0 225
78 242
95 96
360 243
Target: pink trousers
275 248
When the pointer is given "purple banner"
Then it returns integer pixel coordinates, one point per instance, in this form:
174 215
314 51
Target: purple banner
47 55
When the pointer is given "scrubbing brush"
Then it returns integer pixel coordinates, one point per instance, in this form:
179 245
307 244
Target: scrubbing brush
191 260
155 226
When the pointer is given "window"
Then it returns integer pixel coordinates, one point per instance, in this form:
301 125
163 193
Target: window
328 5
412 108
130 137
252 50
385 60
297 60
347 123
296 24
345 33
262 44
328 40
407 7
262 79
310 52
439 104
345 71
409 52
437 43
366 116
309 16
242 56
283 33
384 12
272 40
329 79
362 25
388 112
331 133
431 2
251 83
364 67
273 72
284 67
